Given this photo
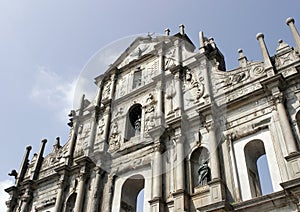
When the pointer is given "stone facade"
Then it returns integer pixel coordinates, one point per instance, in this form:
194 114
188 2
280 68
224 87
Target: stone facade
171 120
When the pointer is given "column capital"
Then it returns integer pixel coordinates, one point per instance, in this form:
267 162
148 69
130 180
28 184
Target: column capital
158 147
278 98
179 139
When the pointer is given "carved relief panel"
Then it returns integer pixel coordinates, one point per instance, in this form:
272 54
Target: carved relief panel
84 132
193 87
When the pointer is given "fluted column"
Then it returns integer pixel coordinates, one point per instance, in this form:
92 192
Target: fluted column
80 193
291 23
285 125
214 156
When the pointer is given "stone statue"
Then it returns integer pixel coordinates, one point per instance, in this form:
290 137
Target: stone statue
204 174
137 126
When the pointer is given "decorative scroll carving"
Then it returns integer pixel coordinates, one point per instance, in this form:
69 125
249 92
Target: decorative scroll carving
257 70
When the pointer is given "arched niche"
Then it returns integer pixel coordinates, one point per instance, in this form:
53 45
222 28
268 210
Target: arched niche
70 204
130 191
199 163
253 151
133 123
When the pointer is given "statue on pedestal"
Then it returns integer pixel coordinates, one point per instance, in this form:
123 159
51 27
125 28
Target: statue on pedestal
204 174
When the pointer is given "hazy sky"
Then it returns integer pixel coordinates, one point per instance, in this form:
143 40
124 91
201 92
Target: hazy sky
45 46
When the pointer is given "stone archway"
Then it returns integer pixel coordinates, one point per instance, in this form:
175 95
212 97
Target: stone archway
130 191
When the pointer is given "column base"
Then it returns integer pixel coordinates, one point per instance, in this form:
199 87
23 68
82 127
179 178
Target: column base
156 205
180 200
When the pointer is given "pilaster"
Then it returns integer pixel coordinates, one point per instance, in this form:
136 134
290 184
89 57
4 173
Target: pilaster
156 201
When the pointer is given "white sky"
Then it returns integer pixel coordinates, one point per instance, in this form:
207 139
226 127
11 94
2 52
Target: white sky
45 45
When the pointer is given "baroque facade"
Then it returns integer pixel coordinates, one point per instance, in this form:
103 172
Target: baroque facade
168 119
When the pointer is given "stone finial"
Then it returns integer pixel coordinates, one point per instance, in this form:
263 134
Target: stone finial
289 20
181 29
211 41
242 58
291 23
167 31
264 50
282 46
240 51
260 35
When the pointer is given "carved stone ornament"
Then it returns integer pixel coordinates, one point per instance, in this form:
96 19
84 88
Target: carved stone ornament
194 87
114 142
106 90
100 130
257 70
170 59
170 94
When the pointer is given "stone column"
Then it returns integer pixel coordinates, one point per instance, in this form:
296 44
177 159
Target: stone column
285 125
214 155
291 23
74 131
180 172
264 50
26 199
201 41
81 192
109 192
61 185
156 201
178 85
157 172
23 166
179 194
95 198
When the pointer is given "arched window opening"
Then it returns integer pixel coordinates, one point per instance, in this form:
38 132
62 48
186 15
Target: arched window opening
140 201
131 190
70 204
253 151
200 167
134 121
264 175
